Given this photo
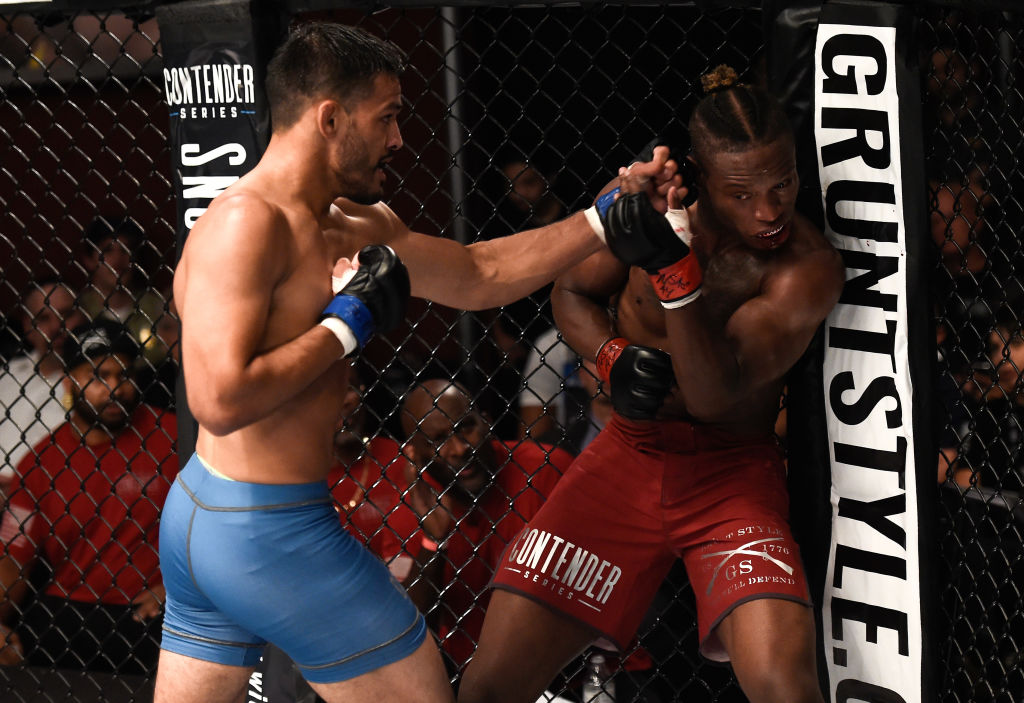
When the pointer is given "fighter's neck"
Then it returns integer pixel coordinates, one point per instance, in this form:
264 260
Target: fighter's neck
295 174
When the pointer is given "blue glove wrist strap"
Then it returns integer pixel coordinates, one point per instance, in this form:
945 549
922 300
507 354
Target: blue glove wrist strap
354 313
605 201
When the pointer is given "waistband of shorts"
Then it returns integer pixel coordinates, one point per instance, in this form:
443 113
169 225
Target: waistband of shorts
682 435
213 492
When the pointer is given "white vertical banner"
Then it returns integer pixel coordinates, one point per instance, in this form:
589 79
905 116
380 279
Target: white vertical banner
871 605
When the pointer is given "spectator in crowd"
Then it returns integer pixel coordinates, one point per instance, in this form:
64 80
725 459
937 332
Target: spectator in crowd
551 394
991 445
584 427
87 502
527 200
956 406
111 258
30 405
461 498
362 463
958 223
531 196
158 375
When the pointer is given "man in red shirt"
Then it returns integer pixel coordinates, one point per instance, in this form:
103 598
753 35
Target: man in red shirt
86 501
472 494
360 461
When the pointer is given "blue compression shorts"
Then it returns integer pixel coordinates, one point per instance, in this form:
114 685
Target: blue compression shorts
247 563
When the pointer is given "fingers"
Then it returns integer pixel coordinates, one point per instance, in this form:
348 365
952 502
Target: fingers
660 157
635 177
343 265
675 197
11 652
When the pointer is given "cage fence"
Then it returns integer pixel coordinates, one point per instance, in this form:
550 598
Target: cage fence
515 116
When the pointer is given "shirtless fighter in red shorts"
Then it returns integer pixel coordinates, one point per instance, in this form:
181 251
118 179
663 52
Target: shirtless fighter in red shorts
713 304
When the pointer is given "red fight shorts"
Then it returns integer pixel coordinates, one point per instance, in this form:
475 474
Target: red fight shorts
641 495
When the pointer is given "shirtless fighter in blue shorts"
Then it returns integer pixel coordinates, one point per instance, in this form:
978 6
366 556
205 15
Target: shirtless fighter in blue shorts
252 551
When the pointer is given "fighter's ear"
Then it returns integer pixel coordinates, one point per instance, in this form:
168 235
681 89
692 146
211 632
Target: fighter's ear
409 452
330 117
409 471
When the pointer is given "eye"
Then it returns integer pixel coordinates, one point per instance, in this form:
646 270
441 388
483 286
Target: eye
781 185
741 196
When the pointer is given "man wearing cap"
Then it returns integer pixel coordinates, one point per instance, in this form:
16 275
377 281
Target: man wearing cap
86 501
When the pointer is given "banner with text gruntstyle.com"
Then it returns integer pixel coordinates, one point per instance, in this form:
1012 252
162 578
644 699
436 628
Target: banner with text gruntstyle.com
876 356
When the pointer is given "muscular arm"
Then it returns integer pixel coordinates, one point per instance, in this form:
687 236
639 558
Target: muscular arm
233 265
14 583
13 589
580 301
499 271
494 272
716 369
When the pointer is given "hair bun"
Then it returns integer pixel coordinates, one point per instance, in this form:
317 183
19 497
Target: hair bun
720 78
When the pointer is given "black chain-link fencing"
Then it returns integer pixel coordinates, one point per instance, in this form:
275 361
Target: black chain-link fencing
971 72
515 117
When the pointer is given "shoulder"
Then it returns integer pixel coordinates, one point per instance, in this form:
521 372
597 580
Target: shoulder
51 450
18 368
240 218
353 226
385 452
148 418
532 456
812 260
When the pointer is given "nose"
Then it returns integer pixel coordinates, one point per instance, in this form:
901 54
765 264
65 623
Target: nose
395 138
455 449
768 208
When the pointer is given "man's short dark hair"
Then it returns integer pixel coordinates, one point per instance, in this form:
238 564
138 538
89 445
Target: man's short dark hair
96 339
325 59
105 227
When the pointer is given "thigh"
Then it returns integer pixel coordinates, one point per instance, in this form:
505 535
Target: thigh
522 648
419 677
771 645
182 679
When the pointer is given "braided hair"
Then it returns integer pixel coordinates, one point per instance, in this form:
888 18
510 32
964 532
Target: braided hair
734 116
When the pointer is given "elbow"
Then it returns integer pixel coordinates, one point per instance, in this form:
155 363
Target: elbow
487 292
215 413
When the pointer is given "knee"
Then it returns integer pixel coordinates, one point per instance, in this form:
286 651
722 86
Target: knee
475 689
782 685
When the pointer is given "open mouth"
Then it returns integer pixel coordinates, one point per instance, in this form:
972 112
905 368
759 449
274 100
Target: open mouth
774 237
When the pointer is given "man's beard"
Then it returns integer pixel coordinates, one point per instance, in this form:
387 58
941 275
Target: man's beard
357 154
445 477
94 418
364 198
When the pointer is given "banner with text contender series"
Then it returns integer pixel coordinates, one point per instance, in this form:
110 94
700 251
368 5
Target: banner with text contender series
862 460
215 53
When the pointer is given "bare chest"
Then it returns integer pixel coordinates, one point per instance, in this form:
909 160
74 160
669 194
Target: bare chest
300 295
730 280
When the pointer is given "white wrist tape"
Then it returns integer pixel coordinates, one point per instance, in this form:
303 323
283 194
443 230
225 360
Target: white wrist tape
339 282
595 223
680 221
676 304
342 332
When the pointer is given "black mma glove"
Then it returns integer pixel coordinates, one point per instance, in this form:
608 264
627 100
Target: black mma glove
638 378
372 298
641 236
